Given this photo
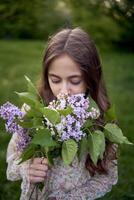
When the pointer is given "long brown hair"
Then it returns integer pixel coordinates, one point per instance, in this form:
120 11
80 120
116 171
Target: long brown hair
81 48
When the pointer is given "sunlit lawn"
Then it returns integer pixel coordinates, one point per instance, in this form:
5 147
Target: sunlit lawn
19 58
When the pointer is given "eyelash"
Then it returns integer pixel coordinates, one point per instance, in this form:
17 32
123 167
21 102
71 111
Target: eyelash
55 81
74 83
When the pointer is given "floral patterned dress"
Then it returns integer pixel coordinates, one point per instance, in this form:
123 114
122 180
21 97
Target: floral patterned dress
62 182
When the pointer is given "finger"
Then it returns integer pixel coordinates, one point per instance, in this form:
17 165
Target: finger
45 161
34 179
37 173
40 167
37 160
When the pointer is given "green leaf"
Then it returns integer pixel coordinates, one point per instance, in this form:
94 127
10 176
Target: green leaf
28 98
34 122
92 104
87 124
33 112
30 122
32 101
96 145
37 122
82 147
52 115
49 157
69 149
25 124
28 153
66 111
114 134
110 114
33 90
44 138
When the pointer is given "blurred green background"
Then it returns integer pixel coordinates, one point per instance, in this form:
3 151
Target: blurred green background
24 29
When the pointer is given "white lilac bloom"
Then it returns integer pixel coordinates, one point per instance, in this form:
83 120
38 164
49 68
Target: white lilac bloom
49 126
60 103
94 113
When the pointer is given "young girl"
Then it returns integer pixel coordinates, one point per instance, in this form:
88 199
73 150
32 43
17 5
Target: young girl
71 64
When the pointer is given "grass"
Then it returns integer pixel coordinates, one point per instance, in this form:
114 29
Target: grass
19 58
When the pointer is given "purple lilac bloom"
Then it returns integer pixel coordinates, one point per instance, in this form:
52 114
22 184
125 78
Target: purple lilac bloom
23 141
12 127
80 104
10 112
70 125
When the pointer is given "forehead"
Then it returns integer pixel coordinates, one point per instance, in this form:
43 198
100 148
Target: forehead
64 66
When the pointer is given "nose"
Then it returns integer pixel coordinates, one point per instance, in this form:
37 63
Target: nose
65 88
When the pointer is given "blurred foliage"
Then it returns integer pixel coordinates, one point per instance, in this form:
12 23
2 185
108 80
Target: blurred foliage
106 20
29 19
90 16
122 12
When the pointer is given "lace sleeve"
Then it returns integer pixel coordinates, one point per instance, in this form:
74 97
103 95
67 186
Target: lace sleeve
17 171
94 188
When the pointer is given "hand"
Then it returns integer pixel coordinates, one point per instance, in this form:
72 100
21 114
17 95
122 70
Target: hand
38 170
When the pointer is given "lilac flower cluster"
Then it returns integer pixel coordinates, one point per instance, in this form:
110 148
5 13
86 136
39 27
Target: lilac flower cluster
60 103
10 112
24 140
70 125
94 113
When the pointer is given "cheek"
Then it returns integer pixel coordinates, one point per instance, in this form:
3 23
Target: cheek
82 88
54 89
78 89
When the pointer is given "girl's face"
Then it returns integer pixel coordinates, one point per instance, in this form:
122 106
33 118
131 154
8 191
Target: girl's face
65 76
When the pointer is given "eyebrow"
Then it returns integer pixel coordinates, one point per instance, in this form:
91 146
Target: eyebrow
73 76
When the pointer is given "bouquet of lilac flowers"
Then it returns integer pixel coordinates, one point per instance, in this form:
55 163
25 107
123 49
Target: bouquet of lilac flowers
66 127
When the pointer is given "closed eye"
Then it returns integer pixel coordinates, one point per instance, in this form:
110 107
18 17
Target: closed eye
75 82
55 80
